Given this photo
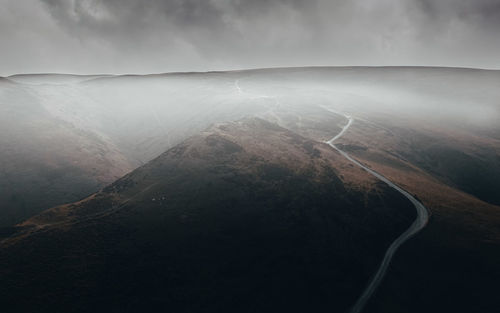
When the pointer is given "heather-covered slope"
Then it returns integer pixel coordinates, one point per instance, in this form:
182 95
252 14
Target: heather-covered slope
64 137
245 217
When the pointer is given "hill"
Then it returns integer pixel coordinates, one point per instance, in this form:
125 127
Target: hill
247 216
128 120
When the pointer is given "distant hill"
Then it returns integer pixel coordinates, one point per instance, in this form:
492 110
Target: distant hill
52 78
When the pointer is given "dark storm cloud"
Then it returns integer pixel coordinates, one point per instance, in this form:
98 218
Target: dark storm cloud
169 35
192 20
485 12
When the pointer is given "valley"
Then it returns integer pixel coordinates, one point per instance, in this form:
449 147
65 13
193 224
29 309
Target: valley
255 191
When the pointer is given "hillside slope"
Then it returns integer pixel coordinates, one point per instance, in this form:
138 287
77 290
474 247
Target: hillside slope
453 264
246 217
46 161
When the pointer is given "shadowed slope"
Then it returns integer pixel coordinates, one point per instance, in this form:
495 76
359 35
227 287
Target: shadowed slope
245 217
453 265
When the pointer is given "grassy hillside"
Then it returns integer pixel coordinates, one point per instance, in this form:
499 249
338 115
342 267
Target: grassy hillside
246 217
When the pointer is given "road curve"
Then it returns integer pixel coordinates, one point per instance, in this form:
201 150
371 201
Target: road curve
418 224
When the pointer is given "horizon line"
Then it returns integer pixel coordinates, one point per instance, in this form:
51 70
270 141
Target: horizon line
255 69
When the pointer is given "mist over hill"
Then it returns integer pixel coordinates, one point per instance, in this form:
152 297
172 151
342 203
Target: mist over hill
127 182
128 120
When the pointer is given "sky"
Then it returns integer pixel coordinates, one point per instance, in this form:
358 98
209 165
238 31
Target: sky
153 36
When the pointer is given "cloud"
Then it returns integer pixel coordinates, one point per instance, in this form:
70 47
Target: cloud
171 35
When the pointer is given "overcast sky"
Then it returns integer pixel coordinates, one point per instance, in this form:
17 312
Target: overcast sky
151 36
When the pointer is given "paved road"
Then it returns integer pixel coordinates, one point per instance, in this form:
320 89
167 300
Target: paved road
418 224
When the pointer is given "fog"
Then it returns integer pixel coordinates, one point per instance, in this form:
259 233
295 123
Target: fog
65 136
144 115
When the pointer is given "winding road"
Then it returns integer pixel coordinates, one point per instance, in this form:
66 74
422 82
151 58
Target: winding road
416 226
419 223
